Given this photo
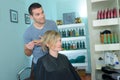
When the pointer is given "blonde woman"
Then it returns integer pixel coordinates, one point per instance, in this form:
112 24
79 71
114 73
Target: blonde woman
54 66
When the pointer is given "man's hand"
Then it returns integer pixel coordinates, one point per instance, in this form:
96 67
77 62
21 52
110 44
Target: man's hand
30 45
37 42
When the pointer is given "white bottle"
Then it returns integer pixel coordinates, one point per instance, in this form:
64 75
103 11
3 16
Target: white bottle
116 62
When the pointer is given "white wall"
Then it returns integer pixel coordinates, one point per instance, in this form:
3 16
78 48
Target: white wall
48 6
54 9
12 57
66 6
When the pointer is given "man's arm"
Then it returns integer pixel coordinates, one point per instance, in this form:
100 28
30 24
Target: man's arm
28 48
27 51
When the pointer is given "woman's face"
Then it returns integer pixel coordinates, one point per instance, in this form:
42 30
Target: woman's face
57 46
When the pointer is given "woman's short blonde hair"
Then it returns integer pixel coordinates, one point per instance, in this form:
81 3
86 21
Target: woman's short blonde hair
50 37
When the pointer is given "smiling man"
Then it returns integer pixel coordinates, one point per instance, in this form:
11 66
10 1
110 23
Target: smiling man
34 32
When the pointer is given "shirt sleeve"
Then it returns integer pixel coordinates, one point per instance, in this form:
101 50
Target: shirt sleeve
26 37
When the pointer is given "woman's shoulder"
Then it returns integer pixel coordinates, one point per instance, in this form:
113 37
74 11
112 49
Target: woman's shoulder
62 56
41 59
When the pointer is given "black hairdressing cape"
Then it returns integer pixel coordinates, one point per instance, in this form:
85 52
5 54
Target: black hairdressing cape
51 68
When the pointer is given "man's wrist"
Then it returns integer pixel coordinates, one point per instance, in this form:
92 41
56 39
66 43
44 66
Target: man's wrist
29 48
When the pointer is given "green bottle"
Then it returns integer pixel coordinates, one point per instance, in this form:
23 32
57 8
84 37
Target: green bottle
116 38
63 45
82 32
81 45
68 45
105 39
78 47
77 32
112 38
108 38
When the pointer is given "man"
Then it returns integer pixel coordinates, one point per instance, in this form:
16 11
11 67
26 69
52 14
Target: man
35 31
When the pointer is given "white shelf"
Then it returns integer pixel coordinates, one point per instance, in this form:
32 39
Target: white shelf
106 47
93 1
98 67
105 22
75 38
71 25
73 51
80 65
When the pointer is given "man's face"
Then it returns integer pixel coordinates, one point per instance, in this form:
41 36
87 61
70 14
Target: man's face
38 16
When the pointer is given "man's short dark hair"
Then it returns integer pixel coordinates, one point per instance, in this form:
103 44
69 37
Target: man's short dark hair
33 6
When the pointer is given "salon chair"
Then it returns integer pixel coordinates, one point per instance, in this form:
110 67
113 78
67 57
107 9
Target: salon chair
24 74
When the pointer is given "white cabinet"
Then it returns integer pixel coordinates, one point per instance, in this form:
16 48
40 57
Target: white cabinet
74 44
102 15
